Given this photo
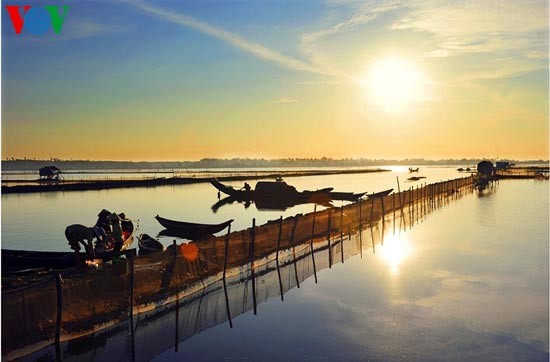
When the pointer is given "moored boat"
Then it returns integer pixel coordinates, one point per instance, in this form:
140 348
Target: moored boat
15 260
190 228
231 191
148 245
268 189
380 194
346 196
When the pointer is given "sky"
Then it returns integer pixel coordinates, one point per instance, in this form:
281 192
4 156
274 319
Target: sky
167 80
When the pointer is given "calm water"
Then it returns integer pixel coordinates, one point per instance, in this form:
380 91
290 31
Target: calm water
470 282
37 221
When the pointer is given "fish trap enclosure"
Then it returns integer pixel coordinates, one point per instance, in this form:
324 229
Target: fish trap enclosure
241 269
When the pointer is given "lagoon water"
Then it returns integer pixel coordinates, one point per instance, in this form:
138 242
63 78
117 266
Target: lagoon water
470 282
37 221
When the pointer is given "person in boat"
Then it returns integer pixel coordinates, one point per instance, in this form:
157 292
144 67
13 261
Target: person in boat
116 229
247 187
101 226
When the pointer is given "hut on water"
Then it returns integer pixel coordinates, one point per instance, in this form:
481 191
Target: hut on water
50 173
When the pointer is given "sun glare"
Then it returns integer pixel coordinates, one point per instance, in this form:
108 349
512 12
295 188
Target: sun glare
394 83
394 251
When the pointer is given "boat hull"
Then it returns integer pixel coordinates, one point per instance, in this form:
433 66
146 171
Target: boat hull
192 229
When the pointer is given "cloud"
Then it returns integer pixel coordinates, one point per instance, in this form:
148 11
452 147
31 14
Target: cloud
235 40
284 100
479 26
497 39
363 12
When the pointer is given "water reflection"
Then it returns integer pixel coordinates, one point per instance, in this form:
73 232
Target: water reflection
265 204
395 250
460 301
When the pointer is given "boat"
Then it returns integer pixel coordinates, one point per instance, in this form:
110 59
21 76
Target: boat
148 245
411 169
380 194
346 196
14 260
416 178
231 191
192 229
269 189
18 260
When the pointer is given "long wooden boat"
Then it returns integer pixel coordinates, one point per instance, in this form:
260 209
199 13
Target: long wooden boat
380 194
231 191
192 228
414 169
269 189
346 196
16 260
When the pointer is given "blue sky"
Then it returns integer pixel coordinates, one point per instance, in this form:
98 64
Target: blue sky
279 79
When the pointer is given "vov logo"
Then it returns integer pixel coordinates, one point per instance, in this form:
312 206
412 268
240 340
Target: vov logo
37 20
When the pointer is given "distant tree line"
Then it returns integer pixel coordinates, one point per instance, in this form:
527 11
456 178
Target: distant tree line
26 164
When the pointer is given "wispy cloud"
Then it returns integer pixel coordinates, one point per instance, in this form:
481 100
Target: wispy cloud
285 100
362 13
235 40
510 37
479 26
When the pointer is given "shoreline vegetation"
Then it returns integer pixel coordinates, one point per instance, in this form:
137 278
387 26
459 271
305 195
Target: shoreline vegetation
27 164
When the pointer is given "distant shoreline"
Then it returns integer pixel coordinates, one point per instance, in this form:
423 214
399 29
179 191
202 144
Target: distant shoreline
54 186
235 163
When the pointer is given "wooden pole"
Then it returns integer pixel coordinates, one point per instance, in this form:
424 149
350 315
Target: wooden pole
371 211
311 243
176 333
341 222
329 227
279 237
411 218
342 233
281 290
400 197
59 308
294 251
226 251
313 226
131 289
360 214
383 209
253 236
361 242
227 308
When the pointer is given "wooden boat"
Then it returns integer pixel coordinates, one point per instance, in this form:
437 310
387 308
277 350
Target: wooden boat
380 194
231 191
13 260
269 189
148 245
414 169
346 196
192 228
16 260
416 178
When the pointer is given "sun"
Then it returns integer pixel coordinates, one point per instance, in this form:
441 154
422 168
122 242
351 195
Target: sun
394 83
